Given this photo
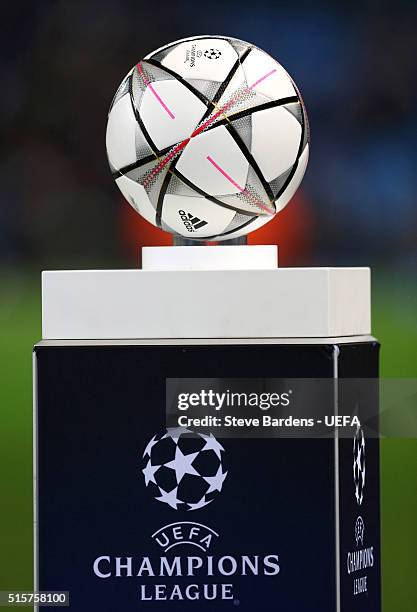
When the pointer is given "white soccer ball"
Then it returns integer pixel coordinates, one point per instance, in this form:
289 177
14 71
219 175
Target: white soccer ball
208 138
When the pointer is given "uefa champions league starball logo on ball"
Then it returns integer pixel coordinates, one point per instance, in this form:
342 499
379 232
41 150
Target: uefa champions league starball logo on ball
359 466
184 469
212 53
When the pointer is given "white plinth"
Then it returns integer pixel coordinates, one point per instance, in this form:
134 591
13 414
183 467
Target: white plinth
206 303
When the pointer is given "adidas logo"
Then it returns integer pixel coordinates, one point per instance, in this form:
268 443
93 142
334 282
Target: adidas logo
191 223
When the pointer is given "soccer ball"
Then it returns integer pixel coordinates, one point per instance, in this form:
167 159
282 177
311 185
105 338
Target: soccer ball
208 138
183 469
359 466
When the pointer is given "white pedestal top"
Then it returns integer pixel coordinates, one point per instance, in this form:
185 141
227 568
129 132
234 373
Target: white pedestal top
204 303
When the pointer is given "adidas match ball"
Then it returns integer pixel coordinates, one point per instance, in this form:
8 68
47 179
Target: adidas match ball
208 138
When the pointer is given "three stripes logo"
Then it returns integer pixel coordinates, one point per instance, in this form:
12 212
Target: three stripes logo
191 223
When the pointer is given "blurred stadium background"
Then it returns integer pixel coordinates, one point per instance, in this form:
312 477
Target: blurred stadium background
355 63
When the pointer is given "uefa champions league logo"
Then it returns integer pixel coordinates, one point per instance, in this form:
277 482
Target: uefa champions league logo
359 466
212 53
183 469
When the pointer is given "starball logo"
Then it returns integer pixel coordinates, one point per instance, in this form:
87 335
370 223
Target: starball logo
212 54
359 465
183 469
186 471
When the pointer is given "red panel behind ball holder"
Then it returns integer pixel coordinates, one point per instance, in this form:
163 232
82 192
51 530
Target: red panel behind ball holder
292 230
136 232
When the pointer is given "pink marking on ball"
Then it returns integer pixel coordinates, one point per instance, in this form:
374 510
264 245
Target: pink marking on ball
241 189
155 93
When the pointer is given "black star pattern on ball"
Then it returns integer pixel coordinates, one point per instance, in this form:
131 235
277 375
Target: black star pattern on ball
212 53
